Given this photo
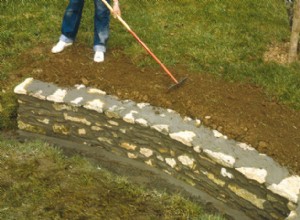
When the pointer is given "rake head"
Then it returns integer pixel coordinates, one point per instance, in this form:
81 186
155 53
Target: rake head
176 85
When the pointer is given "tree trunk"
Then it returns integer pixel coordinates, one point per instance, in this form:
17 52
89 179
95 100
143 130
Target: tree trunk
295 33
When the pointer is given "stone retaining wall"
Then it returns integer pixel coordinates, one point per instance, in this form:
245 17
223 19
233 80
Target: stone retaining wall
234 173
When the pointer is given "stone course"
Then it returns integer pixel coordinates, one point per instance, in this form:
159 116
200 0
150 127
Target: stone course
232 172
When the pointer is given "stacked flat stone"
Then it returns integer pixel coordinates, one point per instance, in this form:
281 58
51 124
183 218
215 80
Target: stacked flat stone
232 172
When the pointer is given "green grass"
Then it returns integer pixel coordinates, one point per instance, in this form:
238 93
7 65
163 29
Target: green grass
224 38
38 182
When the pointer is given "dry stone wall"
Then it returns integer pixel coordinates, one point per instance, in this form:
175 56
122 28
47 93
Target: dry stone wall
232 172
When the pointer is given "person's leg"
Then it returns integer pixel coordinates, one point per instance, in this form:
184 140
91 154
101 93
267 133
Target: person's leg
70 25
101 29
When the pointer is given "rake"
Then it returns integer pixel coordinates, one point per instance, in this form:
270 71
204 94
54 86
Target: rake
173 86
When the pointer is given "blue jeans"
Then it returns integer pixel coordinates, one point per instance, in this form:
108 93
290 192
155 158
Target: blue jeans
71 22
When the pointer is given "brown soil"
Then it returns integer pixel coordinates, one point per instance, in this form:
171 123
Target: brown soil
241 111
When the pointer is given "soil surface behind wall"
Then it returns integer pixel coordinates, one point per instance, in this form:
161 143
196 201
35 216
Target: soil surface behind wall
241 111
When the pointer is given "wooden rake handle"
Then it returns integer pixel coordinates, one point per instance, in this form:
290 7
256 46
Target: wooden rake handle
140 41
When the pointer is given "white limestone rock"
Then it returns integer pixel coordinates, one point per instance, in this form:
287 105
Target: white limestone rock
77 101
44 121
245 146
39 95
254 173
128 146
21 88
58 96
227 174
146 152
288 188
217 134
171 162
142 105
185 137
142 122
132 155
197 149
187 161
96 91
96 105
81 131
221 158
80 86
161 128
77 119
129 118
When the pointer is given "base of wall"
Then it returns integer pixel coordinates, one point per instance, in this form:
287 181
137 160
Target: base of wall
139 173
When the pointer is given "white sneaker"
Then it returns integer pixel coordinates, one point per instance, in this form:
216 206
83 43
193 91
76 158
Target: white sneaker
99 56
60 46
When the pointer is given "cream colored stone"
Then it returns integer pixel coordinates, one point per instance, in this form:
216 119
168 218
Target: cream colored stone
167 172
161 128
81 131
149 162
142 122
58 96
187 119
129 118
171 162
60 129
132 156
163 150
245 146
24 126
185 137
96 128
288 188
146 152
123 130
197 122
160 157
187 161
38 95
80 86
105 140
142 105
44 121
221 158
293 216
96 91
128 146
60 107
96 105
217 134
227 174
252 173
214 179
21 88
197 149
170 111
111 114
291 206
245 194
77 119
77 101
114 123
115 135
